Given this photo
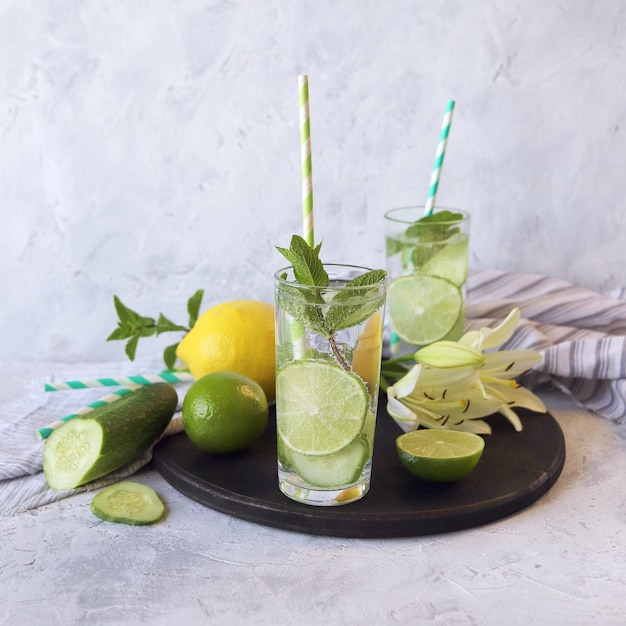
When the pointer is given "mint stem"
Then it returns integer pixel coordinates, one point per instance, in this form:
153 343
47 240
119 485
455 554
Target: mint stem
333 344
337 353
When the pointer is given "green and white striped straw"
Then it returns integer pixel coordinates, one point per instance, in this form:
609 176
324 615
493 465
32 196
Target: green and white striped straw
441 152
42 433
148 379
305 159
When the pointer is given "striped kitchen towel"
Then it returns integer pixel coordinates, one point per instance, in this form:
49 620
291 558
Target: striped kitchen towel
580 333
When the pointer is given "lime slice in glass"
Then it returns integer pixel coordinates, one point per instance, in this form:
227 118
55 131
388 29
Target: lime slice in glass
439 455
320 407
423 309
451 261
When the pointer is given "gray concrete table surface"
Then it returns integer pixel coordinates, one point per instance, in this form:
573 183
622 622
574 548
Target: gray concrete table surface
560 561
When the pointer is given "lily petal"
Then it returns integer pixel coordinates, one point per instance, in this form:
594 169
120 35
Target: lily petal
399 410
494 337
447 379
449 354
406 384
522 397
511 416
403 416
478 427
471 338
511 363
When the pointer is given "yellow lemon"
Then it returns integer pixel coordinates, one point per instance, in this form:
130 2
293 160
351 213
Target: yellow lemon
235 336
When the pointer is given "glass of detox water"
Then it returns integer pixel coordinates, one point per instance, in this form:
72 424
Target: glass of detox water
328 358
427 263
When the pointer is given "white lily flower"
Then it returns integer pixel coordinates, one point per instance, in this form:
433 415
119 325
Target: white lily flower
487 338
456 384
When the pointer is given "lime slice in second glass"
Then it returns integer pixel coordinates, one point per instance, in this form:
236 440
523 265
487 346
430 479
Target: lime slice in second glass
321 408
423 309
451 261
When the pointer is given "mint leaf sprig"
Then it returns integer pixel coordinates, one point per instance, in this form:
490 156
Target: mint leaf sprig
434 229
441 226
133 326
310 308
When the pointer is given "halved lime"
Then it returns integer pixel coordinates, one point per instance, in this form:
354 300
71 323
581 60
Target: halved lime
320 407
439 455
423 309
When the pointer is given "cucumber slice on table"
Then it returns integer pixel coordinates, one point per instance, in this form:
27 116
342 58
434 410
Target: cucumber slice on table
88 447
128 502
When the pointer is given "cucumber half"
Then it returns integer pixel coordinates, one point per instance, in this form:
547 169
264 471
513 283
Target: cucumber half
91 446
128 502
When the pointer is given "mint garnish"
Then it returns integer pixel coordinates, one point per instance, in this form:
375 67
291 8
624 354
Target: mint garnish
309 307
435 230
440 227
133 326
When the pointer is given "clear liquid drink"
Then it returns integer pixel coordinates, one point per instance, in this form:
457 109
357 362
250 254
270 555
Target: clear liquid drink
328 357
427 264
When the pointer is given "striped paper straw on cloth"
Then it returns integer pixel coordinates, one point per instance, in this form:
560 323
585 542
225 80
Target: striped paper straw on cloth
42 433
580 333
146 379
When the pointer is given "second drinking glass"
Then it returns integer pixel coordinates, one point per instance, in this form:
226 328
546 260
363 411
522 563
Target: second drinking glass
427 261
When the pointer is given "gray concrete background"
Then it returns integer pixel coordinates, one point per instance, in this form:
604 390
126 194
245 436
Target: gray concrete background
151 148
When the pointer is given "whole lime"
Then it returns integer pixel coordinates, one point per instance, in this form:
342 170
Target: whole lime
439 455
224 412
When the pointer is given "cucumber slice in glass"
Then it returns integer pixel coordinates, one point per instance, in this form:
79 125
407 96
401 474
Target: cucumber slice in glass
330 470
128 502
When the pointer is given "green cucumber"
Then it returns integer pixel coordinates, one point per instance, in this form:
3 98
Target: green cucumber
90 446
332 470
128 502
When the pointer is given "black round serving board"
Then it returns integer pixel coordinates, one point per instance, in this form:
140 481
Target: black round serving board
515 470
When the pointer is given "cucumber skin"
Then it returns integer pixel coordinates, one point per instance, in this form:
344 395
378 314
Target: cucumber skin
129 427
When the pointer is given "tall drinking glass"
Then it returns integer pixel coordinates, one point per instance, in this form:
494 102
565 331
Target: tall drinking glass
427 262
328 357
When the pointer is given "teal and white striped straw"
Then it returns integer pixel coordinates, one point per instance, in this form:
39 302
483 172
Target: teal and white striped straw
305 159
148 379
42 433
441 152
394 343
